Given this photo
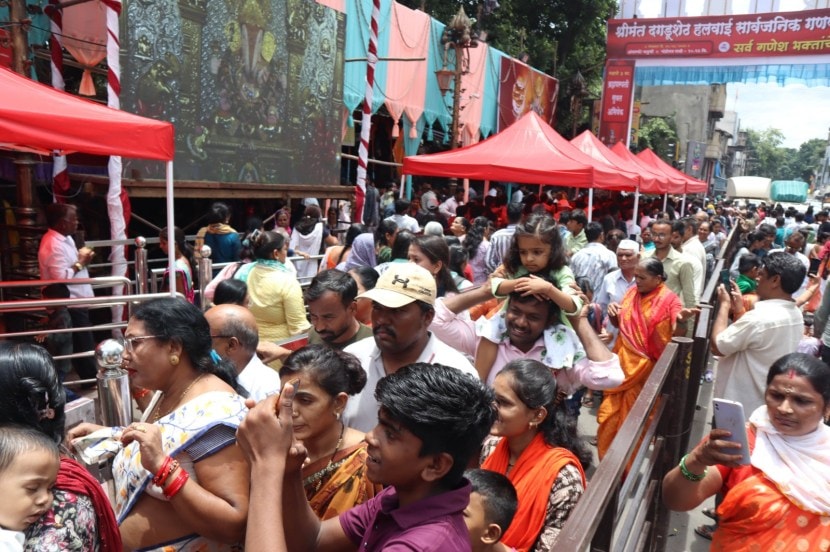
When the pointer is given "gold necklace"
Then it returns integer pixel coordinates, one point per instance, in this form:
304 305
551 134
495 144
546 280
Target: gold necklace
181 398
328 469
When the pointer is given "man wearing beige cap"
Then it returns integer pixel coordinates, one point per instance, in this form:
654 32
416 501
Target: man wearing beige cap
402 309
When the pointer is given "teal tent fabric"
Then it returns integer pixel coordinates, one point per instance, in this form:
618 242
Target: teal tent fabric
358 17
490 105
436 105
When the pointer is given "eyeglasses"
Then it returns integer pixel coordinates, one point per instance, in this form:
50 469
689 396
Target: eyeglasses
222 336
129 342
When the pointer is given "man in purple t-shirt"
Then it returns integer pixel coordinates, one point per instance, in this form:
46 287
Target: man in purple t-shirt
431 422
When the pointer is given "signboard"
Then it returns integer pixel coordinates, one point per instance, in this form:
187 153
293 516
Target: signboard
733 36
695 152
522 89
617 90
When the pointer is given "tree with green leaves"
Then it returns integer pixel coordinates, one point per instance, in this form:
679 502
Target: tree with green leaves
768 157
562 38
660 135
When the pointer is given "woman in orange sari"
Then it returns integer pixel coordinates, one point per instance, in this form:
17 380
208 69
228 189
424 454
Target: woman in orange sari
780 500
335 473
538 451
647 321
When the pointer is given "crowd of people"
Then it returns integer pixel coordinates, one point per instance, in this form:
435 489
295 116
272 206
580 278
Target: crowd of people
444 336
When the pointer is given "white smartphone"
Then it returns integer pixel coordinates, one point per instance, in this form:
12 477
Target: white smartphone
729 415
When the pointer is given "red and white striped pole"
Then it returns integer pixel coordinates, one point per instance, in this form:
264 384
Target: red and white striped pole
60 174
366 121
116 197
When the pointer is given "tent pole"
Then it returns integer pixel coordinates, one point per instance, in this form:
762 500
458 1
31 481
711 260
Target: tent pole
486 188
466 185
665 201
636 206
171 234
683 206
590 204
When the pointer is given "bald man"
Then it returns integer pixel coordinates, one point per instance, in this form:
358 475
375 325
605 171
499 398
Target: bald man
235 336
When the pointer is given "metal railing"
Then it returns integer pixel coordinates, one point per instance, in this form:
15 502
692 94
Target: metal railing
621 510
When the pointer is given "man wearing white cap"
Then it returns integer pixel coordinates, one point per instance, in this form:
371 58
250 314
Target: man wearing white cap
616 283
402 309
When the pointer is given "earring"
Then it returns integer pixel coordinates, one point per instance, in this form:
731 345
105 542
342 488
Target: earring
532 425
337 416
174 360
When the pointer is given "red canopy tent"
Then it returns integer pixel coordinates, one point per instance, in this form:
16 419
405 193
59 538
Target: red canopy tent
591 145
40 119
37 118
528 151
691 185
674 185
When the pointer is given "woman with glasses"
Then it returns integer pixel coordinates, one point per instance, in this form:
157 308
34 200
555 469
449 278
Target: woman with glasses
180 484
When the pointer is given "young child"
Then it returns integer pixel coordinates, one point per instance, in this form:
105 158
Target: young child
493 503
536 250
29 465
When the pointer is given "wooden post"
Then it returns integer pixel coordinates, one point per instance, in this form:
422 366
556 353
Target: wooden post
25 212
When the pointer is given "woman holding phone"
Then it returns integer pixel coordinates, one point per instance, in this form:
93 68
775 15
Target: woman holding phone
779 501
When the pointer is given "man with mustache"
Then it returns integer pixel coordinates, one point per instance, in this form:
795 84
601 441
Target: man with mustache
331 310
402 309
533 329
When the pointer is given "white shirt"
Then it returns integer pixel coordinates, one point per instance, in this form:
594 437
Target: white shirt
449 208
772 329
55 256
11 541
694 248
806 262
613 288
405 222
259 380
362 410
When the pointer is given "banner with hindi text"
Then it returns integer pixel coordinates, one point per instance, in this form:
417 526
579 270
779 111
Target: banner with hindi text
801 33
617 90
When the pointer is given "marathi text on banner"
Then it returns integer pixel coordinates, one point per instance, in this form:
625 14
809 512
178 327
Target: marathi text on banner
616 101
752 35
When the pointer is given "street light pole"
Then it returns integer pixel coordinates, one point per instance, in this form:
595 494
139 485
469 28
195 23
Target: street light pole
456 97
458 36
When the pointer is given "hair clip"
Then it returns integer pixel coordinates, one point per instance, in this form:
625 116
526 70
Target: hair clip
214 356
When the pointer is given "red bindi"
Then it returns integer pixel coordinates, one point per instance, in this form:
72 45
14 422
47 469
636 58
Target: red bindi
791 373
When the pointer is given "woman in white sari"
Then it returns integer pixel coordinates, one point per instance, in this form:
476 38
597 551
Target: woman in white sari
180 484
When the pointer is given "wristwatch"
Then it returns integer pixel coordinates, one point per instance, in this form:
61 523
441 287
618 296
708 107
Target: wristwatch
78 267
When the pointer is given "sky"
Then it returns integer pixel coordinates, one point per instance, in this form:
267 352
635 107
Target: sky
801 113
